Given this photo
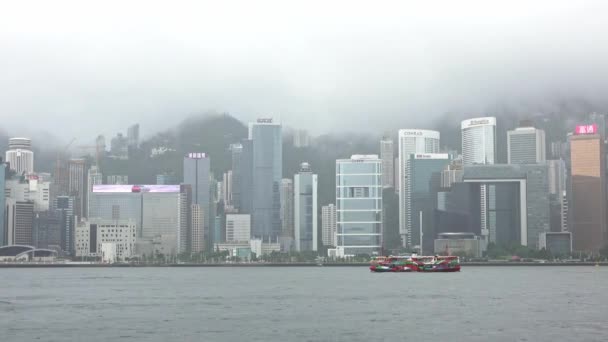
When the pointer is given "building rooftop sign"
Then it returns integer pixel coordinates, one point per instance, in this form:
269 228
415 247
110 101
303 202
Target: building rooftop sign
585 129
264 120
197 155
487 121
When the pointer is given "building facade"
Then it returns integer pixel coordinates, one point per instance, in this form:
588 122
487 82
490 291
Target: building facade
238 227
90 236
526 145
387 154
328 225
19 155
419 199
287 208
305 209
359 205
479 141
20 222
411 141
3 230
267 172
588 183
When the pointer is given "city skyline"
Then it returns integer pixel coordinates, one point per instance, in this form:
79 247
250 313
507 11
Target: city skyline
543 206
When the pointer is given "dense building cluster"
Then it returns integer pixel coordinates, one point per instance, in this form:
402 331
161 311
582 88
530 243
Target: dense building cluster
458 201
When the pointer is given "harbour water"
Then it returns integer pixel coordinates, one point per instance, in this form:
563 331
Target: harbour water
303 304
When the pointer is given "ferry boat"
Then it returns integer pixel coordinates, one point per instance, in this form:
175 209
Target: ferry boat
415 263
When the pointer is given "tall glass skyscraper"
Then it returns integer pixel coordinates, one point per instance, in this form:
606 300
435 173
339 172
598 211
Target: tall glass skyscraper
305 209
359 204
411 142
267 172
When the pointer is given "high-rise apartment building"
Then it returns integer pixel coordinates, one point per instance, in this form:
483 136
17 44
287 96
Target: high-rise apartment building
588 206
359 205
328 225
411 142
238 227
387 155
305 209
20 156
267 172
526 145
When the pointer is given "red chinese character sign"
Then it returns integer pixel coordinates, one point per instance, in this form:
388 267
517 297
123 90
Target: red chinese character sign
585 129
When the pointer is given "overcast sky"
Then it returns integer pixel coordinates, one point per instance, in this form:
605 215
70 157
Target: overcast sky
80 69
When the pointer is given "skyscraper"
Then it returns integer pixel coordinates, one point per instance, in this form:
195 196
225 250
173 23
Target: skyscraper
305 209
328 224
359 205
526 145
197 233
77 186
94 177
387 156
479 147
418 196
287 207
133 136
20 222
266 139
588 207
197 173
3 232
20 156
479 141
411 141
64 206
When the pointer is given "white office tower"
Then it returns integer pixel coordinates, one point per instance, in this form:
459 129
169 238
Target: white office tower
359 205
387 156
526 145
305 209
479 141
411 142
238 227
20 156
328 225
479 147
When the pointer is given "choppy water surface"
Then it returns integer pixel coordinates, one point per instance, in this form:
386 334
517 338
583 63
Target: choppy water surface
303 304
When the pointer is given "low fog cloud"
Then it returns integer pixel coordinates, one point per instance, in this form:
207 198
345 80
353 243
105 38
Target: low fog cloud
78 69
